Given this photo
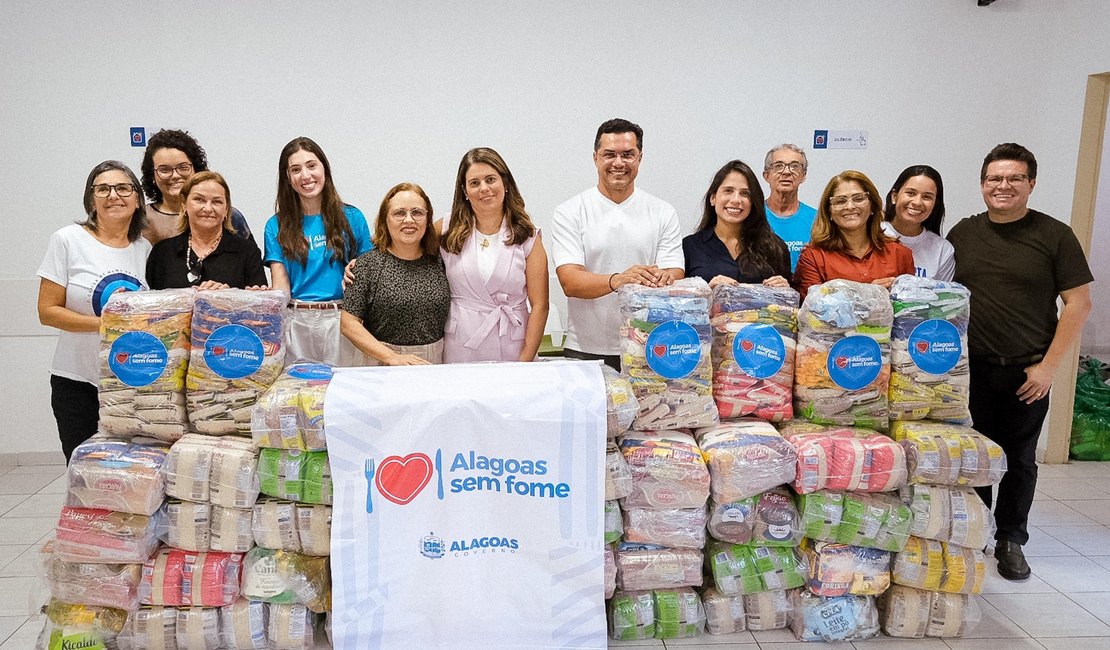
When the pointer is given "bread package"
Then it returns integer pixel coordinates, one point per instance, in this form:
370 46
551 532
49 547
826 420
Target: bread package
723 614
105 537
836 618
745 458
668 470
290 413
119 475
671 527
845 459
643 566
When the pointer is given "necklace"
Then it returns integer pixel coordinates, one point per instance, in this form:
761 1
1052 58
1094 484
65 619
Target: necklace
194 270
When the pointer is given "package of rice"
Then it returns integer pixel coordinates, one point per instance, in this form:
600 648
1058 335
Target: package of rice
949 454
180 578
668 470
920 564
746 457
291 627
144 354
150 628
274 525
314 529
665 354
754 331
621 405
281 473
96 536
610 571
913 613
198 628
767 610
290 413
842 366
243 625
236 353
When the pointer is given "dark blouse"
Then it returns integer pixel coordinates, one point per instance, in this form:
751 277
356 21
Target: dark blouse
707 257
236 262
402 302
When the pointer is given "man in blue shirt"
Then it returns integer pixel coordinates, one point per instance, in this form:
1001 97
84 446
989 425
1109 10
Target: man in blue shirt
784 169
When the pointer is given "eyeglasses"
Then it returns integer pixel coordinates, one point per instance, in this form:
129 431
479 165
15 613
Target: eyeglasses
417 214
995 181
123 190
625 156
843 201
165 171
793 168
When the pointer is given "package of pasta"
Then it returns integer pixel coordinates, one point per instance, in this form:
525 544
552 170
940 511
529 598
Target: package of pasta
286 577
723 614
610 571
949 454
120 475
650 566
97 536
845 459
842 569
678 613
236 353
180 578
671 527
668 470
767 610
290 413
618 478
878 521
314 529
833 618
632 615
842 365
198 628
768 519
150 628
614 526
274 525
292 627
928 350
103 585
621 405
144 354
665 354
920 564
745 458
243 625
80 626
913 613
740 569
754 331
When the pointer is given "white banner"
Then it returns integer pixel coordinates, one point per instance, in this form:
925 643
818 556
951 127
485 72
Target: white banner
468 506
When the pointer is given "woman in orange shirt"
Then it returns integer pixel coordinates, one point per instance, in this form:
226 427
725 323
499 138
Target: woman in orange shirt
847 242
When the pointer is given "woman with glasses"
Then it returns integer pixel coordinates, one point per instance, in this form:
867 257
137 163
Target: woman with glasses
848 241
309 241
914 213
85 264
207 254
395 310
171 157
733 243
496 265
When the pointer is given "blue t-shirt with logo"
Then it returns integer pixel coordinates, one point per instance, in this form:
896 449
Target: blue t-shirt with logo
794 230
320 277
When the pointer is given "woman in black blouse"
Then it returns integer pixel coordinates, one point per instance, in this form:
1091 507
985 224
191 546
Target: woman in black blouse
396 308
734 244
202 256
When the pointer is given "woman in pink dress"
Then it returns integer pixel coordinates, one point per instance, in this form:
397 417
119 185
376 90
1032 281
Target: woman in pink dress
496 265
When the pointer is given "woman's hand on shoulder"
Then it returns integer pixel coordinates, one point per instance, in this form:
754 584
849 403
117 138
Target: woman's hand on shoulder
777 282
349 274
721 280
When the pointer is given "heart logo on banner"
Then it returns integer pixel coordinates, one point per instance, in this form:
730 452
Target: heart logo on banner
122 357
922 346
659 350
218 351
746 345
842 362
401 479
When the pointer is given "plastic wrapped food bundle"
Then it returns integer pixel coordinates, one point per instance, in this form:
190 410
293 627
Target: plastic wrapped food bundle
230 530
290 414
842 569
767 610
768 519
949 454
671 527
236 353
928 351
291 627
914 613
938 566
949 514
839 618
80 626
286 577
610 571
243 625
754 329
120 475
188 525
104 585
204 469
740 569
317 479
621 405
198 628
150 628
858 518
105 537
665 354
844 458
678 613
648 566
314 529
632 615
274 525
668 470
842 365
144 353
723 614
618 478
182 578
614 527
745 458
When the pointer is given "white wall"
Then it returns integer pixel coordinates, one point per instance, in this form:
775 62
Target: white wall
398 91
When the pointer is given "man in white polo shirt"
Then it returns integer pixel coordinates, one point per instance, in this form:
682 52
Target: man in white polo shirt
609 236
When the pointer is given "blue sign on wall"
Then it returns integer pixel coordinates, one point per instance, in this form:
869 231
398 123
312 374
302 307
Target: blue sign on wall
138 136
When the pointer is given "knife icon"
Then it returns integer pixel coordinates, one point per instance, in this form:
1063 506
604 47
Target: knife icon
439 474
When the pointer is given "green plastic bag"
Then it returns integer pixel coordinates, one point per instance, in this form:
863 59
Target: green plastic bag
1090 425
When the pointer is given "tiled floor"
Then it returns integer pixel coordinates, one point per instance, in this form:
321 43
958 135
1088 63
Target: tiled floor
1065 605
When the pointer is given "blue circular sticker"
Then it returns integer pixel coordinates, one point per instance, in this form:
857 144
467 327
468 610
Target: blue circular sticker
759 350
310 371
855 362
233 351
673 349
935 346
137 358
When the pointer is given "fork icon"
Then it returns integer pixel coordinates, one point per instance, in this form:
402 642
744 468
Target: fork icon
369 472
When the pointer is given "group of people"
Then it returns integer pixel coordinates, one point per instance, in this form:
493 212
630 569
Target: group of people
473 286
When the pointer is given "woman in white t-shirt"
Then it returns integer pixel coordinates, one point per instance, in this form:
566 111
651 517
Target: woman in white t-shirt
85 264
914 213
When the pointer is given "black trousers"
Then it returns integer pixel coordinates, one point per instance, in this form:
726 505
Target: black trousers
1015 426
76 410
611 360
